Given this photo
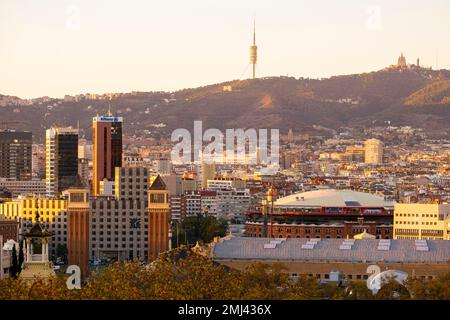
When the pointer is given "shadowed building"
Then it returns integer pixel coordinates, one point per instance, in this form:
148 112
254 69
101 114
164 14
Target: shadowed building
158 218
15 155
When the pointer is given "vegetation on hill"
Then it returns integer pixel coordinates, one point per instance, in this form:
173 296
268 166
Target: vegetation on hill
416 97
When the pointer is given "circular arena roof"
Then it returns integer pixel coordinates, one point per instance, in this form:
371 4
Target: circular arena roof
333 198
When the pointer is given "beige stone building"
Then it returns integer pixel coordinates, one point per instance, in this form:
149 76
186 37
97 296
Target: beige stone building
417 221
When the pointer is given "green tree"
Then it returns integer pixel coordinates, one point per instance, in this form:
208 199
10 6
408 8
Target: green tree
61 251
14 264
392 290
357 290
21 257
200 228
430 289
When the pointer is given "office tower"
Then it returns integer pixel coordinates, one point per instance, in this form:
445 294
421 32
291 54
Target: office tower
61 160
78 231
107 149
158 219
15 155
418 221
208 173
373 151
131 183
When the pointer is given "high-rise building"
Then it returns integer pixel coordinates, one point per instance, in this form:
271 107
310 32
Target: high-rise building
61 160
373 151
78 231
158 219
208 173
15 155
107 149
418 221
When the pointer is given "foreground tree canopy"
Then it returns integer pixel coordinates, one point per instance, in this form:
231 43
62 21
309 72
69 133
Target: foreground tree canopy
184 275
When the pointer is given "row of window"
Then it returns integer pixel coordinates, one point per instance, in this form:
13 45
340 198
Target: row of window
417 223
108 245
416 215
94 233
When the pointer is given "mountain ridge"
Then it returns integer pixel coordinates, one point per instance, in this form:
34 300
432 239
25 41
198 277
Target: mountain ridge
417 97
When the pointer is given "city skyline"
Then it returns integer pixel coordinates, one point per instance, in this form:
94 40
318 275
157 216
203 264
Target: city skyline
110 47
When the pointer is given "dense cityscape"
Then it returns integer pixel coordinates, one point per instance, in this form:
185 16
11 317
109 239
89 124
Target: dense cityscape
108 197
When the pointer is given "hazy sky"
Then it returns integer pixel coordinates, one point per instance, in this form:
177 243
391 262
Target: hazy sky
57 47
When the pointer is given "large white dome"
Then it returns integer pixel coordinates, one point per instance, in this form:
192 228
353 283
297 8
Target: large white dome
332 198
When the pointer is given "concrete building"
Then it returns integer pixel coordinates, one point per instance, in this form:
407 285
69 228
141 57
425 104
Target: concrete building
419 221
221 184
208 172
61 160
107 149
118 229
373 151
16 155
107 188
131 183
52 215
162 166
24 187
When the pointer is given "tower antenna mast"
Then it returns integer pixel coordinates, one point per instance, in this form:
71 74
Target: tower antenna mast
254 51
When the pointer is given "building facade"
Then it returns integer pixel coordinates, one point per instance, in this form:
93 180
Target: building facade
158 219
118 229
78 231
52 215
16 155
107 149
61 160
24 187
422 221
373 151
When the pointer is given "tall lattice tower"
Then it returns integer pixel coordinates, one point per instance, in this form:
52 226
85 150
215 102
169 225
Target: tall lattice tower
254 51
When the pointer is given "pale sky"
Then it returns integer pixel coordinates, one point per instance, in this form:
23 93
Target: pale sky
57 47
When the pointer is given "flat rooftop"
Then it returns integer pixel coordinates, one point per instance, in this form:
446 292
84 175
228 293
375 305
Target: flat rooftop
327 250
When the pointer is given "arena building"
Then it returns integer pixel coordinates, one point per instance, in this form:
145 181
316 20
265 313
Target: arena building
325 213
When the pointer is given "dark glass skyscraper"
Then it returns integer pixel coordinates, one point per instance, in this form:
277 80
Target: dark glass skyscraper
61 160
15 155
